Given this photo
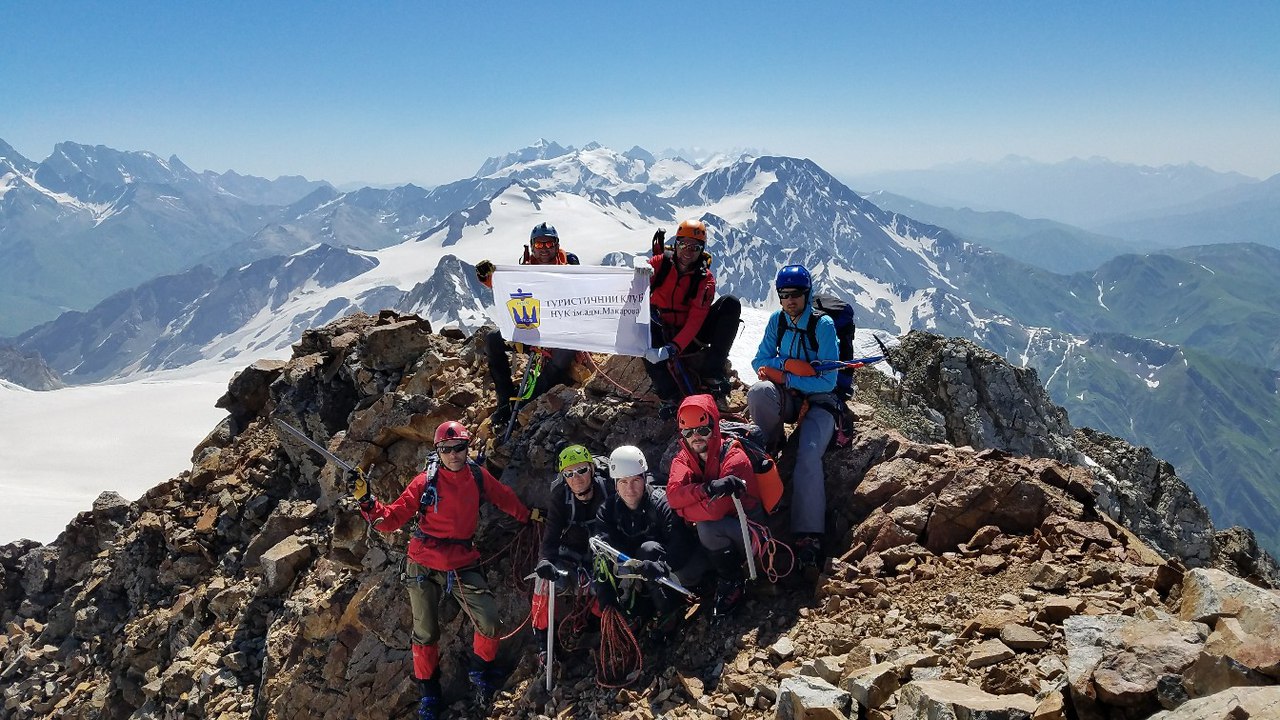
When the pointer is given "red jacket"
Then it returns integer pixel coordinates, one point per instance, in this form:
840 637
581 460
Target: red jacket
455 515
681 316
685 491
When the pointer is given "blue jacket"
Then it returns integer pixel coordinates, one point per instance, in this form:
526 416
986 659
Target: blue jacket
796 345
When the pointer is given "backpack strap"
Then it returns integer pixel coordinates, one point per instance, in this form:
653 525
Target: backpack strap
812 332
664 268
430 496
669 262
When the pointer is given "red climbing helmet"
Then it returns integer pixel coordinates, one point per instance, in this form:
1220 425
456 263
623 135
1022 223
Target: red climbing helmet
452 430
692 415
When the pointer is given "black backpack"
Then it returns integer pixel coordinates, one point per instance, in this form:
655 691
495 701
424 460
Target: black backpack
841 313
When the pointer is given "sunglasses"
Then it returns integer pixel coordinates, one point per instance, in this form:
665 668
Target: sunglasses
580 471
543 244
789 294
450 449
690 246
703 431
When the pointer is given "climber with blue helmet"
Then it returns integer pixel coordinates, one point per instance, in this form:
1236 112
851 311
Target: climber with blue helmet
543 249
781 397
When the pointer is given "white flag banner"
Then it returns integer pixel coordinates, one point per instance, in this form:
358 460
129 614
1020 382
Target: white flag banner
574 307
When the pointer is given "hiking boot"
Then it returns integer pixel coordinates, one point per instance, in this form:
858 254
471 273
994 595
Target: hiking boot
484 684
729 594
809 552
717 387
429 705
667 410
428 708
501 416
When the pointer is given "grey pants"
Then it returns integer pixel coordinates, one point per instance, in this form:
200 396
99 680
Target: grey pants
770 406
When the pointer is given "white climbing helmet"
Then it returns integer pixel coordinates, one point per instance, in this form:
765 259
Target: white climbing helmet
627 461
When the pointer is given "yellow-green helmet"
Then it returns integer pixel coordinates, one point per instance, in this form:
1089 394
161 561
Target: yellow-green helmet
573 455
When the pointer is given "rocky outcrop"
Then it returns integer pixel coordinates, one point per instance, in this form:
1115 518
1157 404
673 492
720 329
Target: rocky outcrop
27 369
954 391
968 580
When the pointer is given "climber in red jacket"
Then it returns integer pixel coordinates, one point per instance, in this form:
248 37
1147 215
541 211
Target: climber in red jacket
444 503
706 474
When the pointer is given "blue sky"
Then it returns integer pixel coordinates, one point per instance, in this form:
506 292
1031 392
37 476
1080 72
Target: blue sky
425 91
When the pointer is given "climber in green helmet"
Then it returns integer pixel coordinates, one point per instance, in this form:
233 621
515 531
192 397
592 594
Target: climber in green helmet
579 489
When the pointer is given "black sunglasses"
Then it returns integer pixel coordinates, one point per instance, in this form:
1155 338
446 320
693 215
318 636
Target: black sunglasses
703 431
689 245
449 449
580 471
788 294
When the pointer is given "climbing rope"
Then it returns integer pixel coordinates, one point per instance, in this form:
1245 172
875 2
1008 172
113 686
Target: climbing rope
619 661
766 550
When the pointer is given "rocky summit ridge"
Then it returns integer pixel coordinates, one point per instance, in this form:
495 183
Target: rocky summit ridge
988 561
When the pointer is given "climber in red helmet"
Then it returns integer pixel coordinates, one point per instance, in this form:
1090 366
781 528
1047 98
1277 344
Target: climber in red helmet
444 503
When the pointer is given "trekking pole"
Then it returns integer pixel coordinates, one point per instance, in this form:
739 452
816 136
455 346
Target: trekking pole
746 537
600 547
682 378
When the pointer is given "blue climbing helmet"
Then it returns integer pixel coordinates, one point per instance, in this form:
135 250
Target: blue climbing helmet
793 276
543 230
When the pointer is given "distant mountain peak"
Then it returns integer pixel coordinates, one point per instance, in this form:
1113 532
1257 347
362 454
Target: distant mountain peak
543 149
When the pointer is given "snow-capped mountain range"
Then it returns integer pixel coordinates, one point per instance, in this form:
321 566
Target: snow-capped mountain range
414 250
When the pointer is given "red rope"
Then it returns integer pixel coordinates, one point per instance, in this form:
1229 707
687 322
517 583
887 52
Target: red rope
766 550
619 661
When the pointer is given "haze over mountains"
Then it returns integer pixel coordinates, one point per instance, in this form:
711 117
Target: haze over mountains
1176 351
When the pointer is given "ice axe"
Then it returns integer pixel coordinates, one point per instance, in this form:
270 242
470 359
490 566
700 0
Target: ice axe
353 471
551 621
746 537
803 368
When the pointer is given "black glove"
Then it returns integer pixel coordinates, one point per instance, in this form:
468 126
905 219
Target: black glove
546 570
484 269
606 596
727 485
653 569
659 241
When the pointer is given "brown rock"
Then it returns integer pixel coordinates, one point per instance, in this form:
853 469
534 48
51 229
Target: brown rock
872 686
930 699
1021 637
987 653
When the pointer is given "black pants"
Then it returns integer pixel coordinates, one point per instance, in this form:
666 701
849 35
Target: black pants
495 349
715 339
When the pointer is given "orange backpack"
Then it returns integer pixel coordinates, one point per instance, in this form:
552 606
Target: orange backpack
750 438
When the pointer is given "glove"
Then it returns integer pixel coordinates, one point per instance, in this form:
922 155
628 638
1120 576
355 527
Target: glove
484 270
641 265
725 486
546 570
606 596
659 241
358 486
657 355
772 374
538 515
652 570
